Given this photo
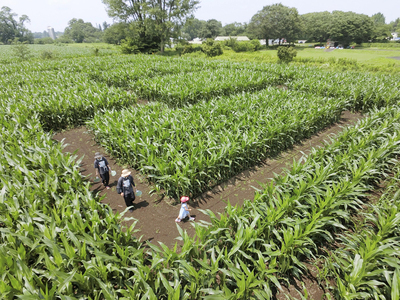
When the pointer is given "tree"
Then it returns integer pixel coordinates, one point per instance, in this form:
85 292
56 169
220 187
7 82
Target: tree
211 29
105 25
80 31
395 25
378 19
316 26
348 27
192 28
276 21
154 20
235 29
10 28
115 33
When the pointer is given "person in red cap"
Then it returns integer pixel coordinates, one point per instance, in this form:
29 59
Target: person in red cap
185 210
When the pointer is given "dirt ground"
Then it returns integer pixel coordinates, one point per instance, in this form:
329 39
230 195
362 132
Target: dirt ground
156 216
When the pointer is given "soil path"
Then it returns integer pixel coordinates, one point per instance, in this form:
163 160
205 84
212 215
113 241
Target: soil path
155 216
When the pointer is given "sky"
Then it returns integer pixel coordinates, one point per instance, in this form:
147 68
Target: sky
57 13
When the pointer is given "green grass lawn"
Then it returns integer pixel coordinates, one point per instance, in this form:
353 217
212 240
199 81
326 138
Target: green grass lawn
368 59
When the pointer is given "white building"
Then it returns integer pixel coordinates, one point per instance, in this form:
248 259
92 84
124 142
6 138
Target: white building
395 35
195 41
51 32
238 38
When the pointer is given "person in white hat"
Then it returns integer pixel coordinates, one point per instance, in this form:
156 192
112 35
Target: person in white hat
102 167
125 188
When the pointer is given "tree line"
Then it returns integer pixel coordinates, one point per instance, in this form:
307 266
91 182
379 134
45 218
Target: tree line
150 25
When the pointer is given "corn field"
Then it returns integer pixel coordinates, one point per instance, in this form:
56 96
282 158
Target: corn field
57 241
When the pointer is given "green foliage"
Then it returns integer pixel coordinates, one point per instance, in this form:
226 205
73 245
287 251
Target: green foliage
154 21
275 22
11 29
257 44
129 46
192 48
212 48
80 32
116 33
348 27
21 50
58 241
211 29
47 54
286 54
235 29
246 46
43 41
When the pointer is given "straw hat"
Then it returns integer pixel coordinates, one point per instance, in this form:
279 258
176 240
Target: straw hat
184 199
125 172
98 155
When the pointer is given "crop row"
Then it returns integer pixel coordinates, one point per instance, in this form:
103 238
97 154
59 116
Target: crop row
188 150
368 261
66 93
178 90
56 240
364 91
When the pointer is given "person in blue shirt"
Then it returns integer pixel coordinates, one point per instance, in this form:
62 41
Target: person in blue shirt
125 188
102 167
184 211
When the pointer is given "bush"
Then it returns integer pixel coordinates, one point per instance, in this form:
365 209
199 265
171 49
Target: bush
128 46
179 49
211 48
286 54
244 47
257 45
46 54
43 41
21 50
190 49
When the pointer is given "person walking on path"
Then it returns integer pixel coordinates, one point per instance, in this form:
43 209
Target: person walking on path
125 188
102 167
185 210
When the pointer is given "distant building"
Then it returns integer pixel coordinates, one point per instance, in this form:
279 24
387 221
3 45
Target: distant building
238 38
51 32
195 41
395 35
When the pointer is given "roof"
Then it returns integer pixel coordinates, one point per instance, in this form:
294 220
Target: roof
238 38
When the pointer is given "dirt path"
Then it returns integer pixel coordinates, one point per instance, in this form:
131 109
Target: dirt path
155 216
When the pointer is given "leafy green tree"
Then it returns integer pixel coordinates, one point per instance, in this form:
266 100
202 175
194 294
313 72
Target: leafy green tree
192 28
378 19
80 31
235 29
276 22
10 28
115 33
348 27
155 21
211 29
316 26
395 25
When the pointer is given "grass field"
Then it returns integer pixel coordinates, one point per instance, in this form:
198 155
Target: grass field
368 59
